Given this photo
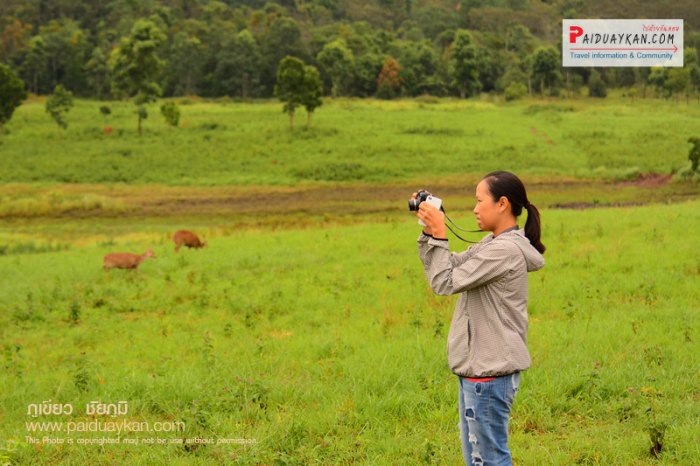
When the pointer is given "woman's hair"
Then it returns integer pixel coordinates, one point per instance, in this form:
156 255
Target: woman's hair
502 183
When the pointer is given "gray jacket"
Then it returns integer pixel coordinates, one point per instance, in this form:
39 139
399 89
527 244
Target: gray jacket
488 334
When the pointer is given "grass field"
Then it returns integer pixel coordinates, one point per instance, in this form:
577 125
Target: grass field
325 355
306 327
350 140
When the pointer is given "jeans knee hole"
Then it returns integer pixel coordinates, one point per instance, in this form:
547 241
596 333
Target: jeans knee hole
469 414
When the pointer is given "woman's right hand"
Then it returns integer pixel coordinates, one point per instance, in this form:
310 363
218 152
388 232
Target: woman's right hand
426 229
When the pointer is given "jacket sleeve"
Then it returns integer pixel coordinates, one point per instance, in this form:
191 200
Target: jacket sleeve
449 274
456 258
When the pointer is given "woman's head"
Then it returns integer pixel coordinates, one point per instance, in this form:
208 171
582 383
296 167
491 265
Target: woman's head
501 198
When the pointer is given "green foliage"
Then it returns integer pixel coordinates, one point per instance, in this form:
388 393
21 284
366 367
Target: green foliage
463 64
58 106
213 49
596 86
291 87
544 68
515 91
313 90
389 79
98 72
238 65
171 113
136 66
12 93
338 61
694 154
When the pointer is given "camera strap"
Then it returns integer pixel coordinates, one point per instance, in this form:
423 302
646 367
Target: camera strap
462 229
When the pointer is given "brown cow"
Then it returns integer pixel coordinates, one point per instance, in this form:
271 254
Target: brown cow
187 238
126 260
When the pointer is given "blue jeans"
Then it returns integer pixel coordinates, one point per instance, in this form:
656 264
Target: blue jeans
484 411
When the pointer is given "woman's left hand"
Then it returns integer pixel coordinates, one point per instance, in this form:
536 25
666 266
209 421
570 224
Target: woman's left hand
433 218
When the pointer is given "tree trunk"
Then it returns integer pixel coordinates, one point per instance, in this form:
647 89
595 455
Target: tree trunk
291 121
308 119
542 87
139 123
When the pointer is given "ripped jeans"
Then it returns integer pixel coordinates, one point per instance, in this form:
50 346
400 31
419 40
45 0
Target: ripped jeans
484 411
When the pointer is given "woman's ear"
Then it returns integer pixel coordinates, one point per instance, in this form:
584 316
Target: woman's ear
503 204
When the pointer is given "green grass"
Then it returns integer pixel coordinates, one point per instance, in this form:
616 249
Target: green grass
326 345
351 140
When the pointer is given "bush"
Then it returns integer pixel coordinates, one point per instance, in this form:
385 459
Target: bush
515 91
59 104
171 113
385 91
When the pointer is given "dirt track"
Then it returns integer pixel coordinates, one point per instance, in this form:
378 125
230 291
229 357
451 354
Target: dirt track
352 200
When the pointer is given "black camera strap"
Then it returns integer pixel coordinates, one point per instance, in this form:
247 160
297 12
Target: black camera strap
457 226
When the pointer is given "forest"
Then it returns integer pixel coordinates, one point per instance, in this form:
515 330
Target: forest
382 48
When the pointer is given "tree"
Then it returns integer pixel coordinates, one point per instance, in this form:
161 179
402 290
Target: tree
313 90
657 78
367 68
136 66
419 63
238 65
290 87
694 153
186 54
545 68
12 93
34 66
58 106
690 61
67 50
281 40
596 86
98 72
678 80
338 61
389 80
463 64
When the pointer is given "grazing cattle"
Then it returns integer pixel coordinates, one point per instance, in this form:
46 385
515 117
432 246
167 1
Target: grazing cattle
126 260
187 238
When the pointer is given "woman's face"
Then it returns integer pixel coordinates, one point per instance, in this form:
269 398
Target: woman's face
486 210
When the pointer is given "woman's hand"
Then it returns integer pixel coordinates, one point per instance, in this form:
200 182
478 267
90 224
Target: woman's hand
426 229
433 218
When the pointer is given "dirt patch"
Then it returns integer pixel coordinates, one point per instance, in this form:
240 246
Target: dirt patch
288 205
593 205
649 180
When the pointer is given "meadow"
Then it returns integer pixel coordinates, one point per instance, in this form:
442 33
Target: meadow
306 330
228 144
325 354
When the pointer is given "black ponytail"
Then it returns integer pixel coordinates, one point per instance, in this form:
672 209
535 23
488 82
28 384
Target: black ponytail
502 183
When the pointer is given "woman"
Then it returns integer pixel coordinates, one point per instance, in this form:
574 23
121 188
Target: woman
487 341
